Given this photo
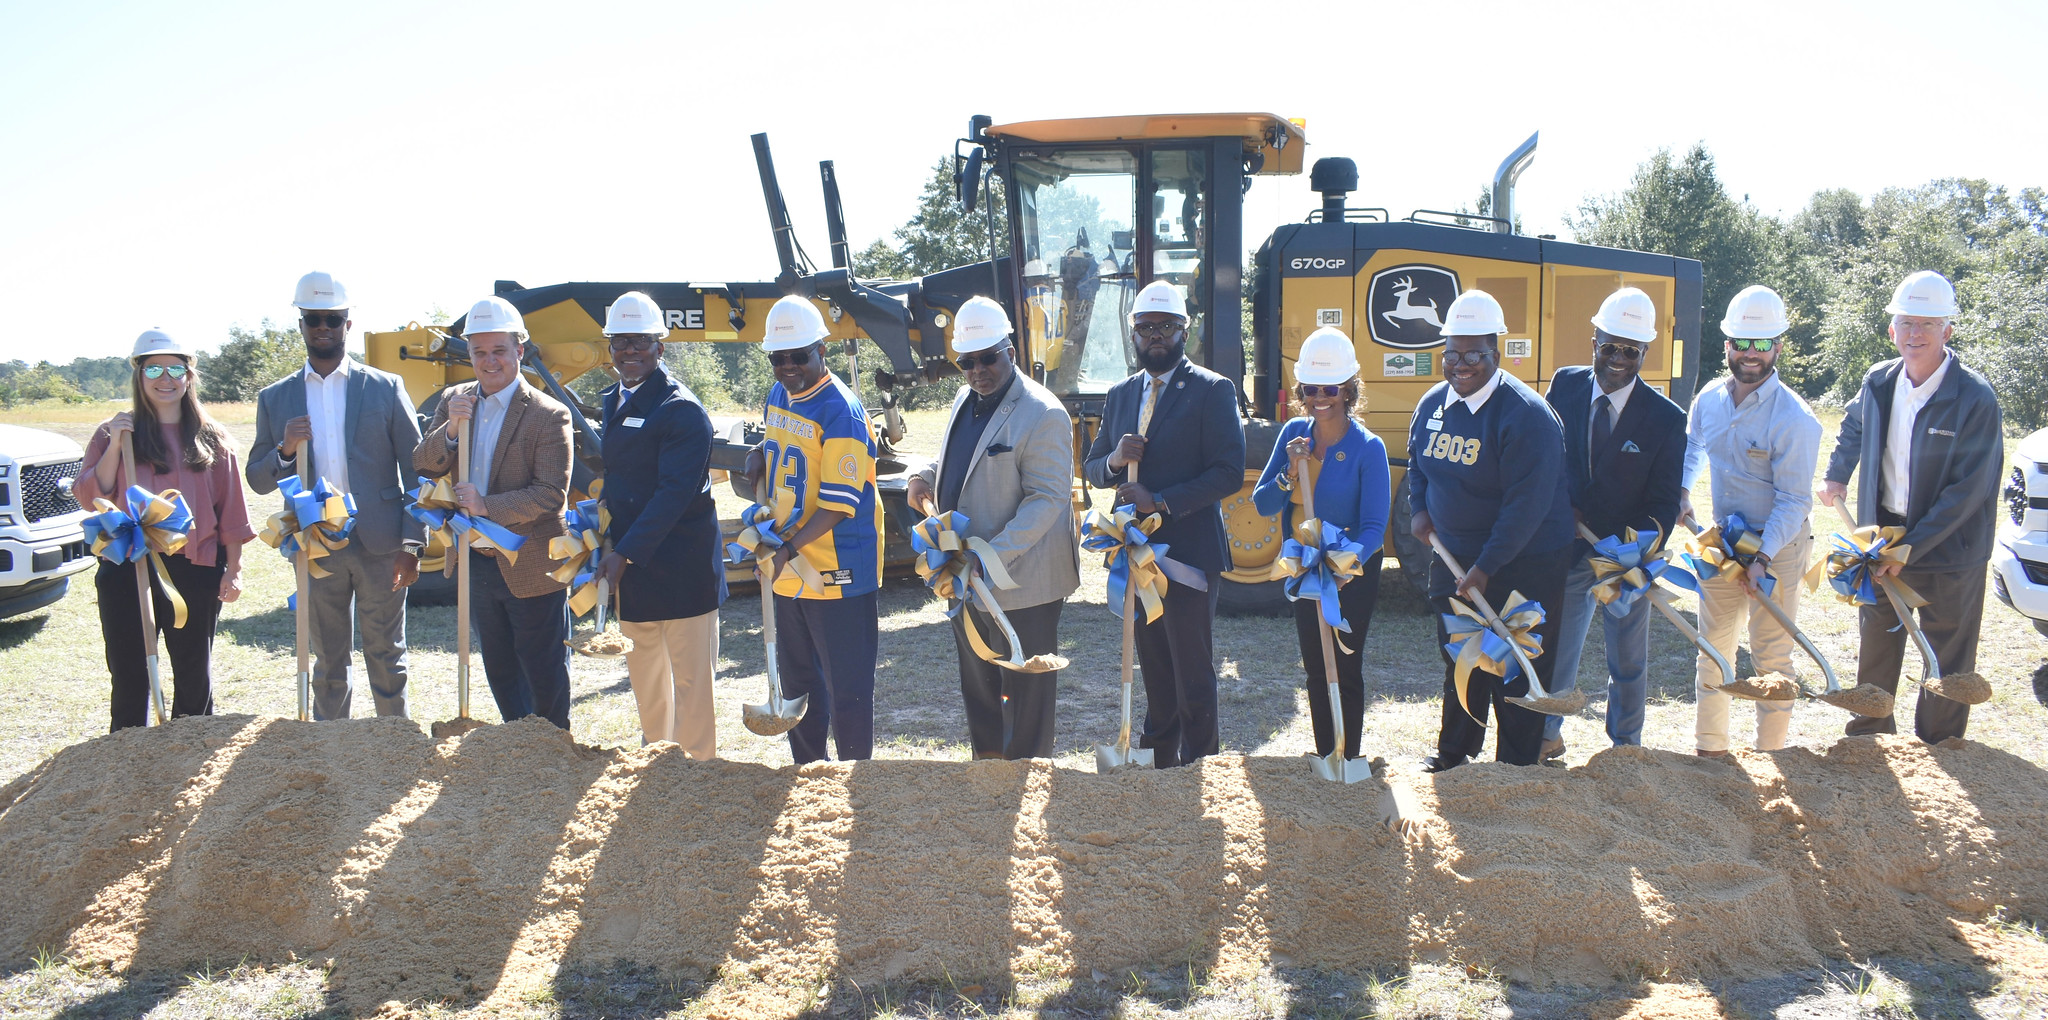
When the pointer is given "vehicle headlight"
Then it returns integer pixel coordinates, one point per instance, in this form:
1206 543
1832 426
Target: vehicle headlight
2016 495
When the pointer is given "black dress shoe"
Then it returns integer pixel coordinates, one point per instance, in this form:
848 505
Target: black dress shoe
1435 764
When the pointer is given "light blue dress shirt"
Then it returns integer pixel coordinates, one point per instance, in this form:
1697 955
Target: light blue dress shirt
1763 454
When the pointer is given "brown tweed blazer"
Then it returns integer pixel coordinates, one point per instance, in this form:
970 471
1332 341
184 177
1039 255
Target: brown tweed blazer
529 485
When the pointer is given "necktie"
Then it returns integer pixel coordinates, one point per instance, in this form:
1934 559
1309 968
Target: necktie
1603 429
1151 405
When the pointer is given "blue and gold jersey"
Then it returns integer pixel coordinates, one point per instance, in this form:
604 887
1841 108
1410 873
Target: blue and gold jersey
823 455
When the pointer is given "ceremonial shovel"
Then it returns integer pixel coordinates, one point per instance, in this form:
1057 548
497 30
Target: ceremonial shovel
1965 688
1663 603
1334 766
1015 663
302 567
600 643
462 723
142 591
1121 755
1542 700
778 714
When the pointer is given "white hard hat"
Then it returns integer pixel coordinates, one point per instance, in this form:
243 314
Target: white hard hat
320 292
1160 296
1629 314
1034 268
493 315
635 313
1757 313
155 341
1474 313
1326 359
1925 293
793 323
979 325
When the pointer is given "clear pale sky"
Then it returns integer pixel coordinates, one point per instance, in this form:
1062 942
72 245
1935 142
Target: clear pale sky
181 165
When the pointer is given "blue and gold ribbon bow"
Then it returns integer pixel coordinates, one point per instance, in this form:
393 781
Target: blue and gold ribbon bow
943 550
1315 562
1722 551
318 519
1627 566
1473 644
584 525
761 537
153 524
1851 568
1125 541
434 505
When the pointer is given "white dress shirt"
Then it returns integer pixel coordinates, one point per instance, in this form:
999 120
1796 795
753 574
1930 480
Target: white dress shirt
327 408
1615 401
1478 398
1907 400
490 420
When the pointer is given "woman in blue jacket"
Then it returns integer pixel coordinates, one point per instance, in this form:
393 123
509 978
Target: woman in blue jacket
1347 464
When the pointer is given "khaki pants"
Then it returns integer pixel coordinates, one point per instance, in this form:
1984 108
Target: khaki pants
1724 606
672 664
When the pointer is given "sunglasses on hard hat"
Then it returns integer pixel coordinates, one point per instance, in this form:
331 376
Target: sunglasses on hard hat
1752 345
332 320
984 359
1156 329
1626 352
797 357
159 371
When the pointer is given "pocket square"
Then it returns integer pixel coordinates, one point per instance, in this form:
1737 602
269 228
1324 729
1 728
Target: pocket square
995 448
1629 446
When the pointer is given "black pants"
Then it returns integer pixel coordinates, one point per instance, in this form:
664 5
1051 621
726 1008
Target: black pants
1539 577
1355 602
826 649
1950 619
525 643
1178 657
1010 714
189 648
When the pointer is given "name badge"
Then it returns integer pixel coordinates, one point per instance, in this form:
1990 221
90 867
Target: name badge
1435 425
632 423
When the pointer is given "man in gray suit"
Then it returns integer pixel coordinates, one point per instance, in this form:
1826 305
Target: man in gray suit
357 424
1007 463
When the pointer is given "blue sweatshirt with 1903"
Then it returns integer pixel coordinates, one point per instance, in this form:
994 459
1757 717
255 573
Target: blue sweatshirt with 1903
1493 482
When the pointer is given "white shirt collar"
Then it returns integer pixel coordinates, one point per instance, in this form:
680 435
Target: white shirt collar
1478 399
1619 398
340 371
1925 391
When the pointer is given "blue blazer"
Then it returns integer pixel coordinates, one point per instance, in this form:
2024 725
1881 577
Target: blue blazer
1194 460
657 485
1636 482
1353 492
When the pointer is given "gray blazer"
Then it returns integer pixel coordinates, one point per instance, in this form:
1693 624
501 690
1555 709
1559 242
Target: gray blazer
1958 451
1021 500
382 435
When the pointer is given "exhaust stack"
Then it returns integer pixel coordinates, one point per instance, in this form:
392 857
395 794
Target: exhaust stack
1504 184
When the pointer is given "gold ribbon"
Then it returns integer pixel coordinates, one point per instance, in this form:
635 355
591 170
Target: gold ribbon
1474 645
435 505
1121 537
161 525
1709 552
1851 567
320 537
942 560
585 524
762 538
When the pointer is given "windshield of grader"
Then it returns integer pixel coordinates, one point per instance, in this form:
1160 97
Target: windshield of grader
1079 273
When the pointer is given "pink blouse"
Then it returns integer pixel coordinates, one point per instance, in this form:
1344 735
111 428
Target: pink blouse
220 512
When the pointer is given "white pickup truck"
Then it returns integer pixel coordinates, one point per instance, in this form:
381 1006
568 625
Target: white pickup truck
42 533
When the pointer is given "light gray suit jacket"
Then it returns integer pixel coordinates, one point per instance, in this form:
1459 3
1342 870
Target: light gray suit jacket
1021 500
383 433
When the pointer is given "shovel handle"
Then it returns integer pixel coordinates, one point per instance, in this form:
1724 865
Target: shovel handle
1492 618
302 621
144 597
762 491
1663 604
462 581
1308 512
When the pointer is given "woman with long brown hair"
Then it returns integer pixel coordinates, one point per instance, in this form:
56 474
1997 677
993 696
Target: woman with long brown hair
1347 466
177 446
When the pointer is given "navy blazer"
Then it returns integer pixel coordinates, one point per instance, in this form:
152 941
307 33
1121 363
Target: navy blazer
1194 459
1637 481
657 485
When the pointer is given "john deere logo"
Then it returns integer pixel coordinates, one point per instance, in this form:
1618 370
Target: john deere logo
1405 305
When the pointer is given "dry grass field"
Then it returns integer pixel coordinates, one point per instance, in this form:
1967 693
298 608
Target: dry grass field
52 674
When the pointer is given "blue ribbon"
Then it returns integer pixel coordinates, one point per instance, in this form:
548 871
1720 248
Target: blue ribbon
1318 567
1125 539
1627 566
148 522
434 505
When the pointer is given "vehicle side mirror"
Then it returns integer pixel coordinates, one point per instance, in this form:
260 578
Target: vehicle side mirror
967 181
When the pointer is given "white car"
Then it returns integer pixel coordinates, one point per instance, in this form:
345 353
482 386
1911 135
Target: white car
2019 557
42 529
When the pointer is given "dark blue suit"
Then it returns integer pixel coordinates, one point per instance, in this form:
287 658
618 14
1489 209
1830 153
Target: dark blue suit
1194 459
1633 480
656 486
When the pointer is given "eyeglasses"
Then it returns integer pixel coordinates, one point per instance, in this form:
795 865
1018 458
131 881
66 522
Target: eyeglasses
633 343
1321 391
1157 329
781 358
159 371
333 320
1477 357
984 359
1626 352
1751 345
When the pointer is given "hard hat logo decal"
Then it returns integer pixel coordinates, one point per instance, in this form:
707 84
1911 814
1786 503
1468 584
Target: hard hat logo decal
1405 305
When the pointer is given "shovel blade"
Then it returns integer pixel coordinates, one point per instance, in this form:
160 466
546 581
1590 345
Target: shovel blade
1035 664
1868 700
1110 759
1967 688
1763 687
1568 703
1346 770
776 716
455 728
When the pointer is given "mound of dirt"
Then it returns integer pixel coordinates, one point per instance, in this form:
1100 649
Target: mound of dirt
474 868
